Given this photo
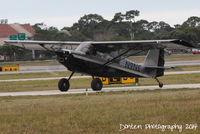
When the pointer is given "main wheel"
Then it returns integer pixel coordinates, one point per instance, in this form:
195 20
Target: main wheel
63 85
96 84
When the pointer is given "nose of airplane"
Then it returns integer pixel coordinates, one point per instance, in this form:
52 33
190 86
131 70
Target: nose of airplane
62 55
62 52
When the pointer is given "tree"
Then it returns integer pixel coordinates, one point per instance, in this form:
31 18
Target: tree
12 52
193 21
130 16
177 26
45 33
190 34
164 26
119 17
141 26
88 23
121 27
91 19
153 26
39 26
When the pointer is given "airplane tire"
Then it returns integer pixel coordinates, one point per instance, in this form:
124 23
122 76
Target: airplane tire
96 84
63 85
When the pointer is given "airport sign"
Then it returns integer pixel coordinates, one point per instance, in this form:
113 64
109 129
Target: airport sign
19 36
13 37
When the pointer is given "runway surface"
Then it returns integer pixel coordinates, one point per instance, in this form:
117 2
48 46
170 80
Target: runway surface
83 77
182 63
113 89
61 68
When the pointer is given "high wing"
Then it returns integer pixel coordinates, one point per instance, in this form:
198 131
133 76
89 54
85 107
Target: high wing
105 46
44 45
142 45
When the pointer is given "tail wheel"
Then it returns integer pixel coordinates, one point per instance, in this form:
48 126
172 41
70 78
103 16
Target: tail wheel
63 85
160 85
96 84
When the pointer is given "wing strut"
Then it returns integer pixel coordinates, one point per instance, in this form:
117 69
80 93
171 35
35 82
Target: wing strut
134 54
42 45
108 62
53 52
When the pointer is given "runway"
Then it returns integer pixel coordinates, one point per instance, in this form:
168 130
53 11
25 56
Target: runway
182 63
113 89
83 77
61 68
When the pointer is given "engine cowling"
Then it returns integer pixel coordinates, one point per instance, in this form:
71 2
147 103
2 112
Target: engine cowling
63 54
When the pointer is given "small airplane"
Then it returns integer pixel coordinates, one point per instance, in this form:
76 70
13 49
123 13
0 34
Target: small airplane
108 58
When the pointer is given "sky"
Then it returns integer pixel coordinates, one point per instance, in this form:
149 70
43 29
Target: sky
61 13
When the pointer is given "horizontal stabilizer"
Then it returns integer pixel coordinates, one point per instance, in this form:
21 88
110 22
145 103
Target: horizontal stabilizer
165 68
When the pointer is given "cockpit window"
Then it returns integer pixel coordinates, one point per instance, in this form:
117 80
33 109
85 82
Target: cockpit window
86 48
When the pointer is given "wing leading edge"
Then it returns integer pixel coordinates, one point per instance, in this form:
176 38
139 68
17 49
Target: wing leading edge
44 45
142 45
105 46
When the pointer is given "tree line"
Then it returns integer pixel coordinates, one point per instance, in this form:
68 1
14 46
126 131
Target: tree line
123 26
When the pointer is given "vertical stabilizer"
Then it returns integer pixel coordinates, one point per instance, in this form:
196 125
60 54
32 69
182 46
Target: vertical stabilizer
154 60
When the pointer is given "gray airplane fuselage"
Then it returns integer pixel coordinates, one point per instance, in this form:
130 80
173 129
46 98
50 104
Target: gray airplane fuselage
94 66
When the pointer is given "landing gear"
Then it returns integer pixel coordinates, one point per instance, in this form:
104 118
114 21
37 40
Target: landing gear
159 83
63 84
96 84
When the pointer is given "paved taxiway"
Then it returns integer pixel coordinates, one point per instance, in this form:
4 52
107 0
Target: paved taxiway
113 89
61 68
82 77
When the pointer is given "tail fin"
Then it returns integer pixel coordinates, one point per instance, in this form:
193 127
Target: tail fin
155 61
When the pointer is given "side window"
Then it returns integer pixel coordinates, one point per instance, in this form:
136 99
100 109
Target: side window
86 48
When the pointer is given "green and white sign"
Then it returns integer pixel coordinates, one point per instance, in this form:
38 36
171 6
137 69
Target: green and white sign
13 37
19 36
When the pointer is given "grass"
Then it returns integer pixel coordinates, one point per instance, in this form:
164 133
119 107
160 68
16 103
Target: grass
40 85
174 79
85 83
189 68
99 113
182 57
30 63
36 75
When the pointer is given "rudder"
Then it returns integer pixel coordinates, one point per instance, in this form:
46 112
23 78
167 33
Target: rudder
155 59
